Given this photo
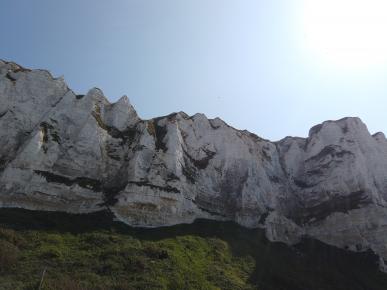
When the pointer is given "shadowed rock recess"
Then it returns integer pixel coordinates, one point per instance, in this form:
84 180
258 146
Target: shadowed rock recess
80 154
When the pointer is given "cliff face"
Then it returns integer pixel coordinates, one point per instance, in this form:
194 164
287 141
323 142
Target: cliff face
79 153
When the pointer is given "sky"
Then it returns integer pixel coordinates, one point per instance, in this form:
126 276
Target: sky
273 67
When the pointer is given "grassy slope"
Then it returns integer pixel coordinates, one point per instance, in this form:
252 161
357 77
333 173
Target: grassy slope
92 252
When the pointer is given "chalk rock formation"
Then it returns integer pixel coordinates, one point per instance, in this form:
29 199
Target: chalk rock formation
79 153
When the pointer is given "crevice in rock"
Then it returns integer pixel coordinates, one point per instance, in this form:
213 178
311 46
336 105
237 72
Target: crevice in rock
265 155
3 114
125 136
212 212
322 210
201 163
150 126
12 79
302 184
112 152
172 177
167 188
3 163
263 217
110 194
48 130
85 182
160 132
332 150
188 171
274 179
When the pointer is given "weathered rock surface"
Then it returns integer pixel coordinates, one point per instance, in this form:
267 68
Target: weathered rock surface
79 153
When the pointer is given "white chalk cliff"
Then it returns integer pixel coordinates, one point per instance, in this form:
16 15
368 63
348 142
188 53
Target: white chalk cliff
79 153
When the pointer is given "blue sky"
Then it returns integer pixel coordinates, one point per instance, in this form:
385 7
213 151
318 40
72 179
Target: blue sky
245 61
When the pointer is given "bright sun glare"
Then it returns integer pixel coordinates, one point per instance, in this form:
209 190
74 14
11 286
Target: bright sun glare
347 33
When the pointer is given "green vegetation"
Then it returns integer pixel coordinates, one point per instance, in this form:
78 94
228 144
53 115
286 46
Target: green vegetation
93 252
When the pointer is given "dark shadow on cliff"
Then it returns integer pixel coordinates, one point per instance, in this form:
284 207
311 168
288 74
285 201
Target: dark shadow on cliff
311 265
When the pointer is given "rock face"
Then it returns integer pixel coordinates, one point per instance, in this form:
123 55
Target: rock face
79 153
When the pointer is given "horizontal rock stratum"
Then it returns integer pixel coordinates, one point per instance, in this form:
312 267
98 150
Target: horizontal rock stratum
80 153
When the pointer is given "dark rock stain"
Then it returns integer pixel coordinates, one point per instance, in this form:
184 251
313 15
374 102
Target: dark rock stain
322 210
166 188
84 182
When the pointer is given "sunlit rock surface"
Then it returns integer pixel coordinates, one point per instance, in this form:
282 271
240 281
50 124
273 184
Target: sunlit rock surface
79 153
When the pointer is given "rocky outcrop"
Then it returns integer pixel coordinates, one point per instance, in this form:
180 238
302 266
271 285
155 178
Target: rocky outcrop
79 153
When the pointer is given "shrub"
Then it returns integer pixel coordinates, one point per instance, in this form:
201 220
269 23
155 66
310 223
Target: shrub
11 236
135 264
51 253
8 255
96 239
154 252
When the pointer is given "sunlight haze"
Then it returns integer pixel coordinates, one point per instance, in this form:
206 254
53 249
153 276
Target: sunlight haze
347 33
